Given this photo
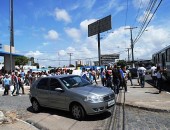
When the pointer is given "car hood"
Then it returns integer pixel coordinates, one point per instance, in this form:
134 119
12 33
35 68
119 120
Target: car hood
92 90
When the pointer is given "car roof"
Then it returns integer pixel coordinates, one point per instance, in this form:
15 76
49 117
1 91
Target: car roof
60 76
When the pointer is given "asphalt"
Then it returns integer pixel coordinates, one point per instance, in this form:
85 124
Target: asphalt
147 98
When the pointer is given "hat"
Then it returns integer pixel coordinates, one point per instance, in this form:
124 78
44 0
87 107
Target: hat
6 74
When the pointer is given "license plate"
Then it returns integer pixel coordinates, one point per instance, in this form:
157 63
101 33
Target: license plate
110 103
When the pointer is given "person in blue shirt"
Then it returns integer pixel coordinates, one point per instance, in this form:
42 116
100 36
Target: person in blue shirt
6 84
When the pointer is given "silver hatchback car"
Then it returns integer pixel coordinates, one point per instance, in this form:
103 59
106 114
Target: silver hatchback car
71 93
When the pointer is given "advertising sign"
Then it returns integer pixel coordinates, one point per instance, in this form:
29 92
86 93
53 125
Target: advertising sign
99 26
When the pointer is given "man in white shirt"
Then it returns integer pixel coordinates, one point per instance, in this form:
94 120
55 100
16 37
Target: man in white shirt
141 73
153 74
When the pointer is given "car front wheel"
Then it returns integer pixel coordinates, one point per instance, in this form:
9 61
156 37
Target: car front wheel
35 106
77 112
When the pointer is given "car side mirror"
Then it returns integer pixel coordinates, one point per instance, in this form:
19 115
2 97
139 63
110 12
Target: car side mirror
59 89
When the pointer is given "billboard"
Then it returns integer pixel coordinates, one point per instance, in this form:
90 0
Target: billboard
108 58
99 26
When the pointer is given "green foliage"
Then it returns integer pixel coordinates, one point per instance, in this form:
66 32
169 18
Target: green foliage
21 60
71 65
121 63
79 65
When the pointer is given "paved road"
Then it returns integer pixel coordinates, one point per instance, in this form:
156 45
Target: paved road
138 119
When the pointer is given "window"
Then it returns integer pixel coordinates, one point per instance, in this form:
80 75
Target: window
168 55
74 81
43 84
54 83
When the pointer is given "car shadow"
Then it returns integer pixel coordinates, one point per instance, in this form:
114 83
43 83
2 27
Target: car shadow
67 114
152 92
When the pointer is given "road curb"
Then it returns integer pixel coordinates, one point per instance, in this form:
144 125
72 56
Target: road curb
36 125
145 108
27 123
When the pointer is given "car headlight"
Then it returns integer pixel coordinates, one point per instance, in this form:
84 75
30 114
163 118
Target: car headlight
94 99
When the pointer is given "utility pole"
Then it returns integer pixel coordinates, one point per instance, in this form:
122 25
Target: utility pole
128 53
70 54
58 59
99 51
132 44
11 33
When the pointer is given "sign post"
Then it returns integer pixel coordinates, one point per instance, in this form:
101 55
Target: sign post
98 27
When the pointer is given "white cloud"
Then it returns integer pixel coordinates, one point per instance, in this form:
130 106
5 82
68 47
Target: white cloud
140 4
45 43
75 6
84 24
142 17
89 3
52 35
62 53
112 4
62 15
73 33
34 54
151 41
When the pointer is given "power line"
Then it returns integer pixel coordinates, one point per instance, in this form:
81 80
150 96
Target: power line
137 13
144 28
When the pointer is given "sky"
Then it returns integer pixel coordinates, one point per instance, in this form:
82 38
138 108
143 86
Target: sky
49 30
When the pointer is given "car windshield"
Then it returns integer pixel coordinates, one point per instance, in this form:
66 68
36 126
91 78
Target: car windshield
74 81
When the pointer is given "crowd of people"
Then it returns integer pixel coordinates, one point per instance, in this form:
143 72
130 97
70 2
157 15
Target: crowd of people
17 79
156 74
114 77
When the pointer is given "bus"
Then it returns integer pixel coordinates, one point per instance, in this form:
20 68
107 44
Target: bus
162 59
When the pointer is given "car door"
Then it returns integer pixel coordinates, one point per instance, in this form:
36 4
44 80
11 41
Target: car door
57 98
43 91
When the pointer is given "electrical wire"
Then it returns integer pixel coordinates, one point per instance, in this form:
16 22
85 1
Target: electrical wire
137 38
137 14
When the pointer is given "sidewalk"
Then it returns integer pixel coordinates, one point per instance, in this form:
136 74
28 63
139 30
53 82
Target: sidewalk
146 98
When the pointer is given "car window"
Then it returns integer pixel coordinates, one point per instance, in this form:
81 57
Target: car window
43 84
74 81
54 83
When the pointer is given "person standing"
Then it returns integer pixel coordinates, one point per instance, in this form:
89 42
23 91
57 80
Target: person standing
103 77
109 79
124 77
6 84
116 79
16 84
153 74
159 79
21 83
141 73
129 75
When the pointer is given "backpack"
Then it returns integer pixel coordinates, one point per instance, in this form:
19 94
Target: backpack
116 74
141 73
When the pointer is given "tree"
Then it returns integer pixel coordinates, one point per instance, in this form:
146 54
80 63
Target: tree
121 63
21 60
71 65
36 64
